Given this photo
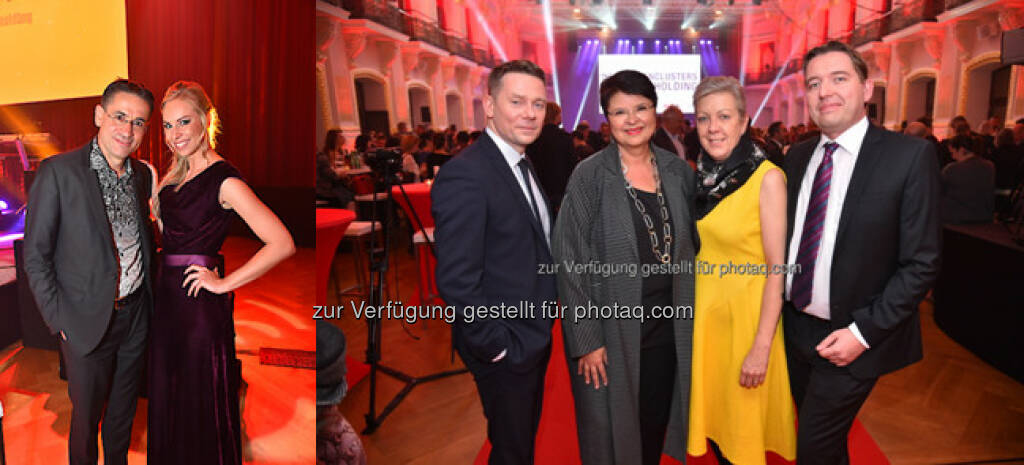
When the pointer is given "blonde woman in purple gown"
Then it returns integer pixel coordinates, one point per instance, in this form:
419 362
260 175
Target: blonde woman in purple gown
194 376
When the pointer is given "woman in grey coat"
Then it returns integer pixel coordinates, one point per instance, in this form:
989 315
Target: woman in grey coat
624 243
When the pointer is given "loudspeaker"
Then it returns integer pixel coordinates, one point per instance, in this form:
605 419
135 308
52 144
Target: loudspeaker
1013 47
34 332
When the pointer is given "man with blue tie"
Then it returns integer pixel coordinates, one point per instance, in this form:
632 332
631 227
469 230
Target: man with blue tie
864 232
493 232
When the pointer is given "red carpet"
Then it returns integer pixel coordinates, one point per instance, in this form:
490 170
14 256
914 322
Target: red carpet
556 439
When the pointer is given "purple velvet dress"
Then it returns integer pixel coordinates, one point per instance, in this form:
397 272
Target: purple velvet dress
194 376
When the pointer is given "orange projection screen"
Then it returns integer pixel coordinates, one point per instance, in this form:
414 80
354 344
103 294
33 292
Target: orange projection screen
58 49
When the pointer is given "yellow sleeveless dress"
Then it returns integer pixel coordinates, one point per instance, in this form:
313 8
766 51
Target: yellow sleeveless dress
743 422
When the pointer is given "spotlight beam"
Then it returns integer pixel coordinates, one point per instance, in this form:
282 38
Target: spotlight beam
586 92
550 34
798 44
487 30
745 49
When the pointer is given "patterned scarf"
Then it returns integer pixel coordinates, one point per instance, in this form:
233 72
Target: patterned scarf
716 180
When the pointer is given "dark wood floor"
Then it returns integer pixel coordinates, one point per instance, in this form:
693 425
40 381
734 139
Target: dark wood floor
278 403
949 408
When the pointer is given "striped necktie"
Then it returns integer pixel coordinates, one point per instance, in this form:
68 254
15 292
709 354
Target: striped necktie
814 227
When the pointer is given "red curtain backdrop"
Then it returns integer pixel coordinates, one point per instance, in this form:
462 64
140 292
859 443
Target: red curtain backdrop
255 58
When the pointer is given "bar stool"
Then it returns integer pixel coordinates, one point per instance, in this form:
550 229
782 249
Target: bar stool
425 261
358 234
331 224
363 186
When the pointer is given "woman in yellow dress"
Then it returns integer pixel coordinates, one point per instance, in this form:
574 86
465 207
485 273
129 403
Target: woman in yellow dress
740 396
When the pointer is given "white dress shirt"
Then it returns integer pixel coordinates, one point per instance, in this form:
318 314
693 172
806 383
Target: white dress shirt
680 150
843 161
512 158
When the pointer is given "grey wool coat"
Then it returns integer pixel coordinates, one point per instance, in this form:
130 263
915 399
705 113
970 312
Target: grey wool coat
595 224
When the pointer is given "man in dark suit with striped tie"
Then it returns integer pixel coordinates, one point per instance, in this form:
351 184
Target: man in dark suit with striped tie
864 230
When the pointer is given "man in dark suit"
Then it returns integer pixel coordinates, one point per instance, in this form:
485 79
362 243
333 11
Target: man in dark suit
595 139
493 229
88 249
968 183
553 156
864 231
691 144
667 136
775 142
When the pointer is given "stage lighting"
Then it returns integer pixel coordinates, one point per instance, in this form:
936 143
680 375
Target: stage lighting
3 205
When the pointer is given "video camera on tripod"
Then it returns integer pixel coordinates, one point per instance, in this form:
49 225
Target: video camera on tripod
387 163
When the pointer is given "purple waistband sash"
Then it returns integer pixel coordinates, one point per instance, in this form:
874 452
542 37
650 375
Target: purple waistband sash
186 260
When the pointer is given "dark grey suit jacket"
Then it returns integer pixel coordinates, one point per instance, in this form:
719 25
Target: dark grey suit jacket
968 191
70 257
887 248
553 158
663 140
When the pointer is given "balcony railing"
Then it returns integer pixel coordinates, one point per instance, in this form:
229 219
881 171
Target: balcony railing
913 12
763 77
378 11
387 14
870 32
459 46
422 30
906 15
484 58
769 74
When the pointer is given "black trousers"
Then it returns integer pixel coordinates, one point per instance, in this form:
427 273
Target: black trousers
104 384
827 396
657 380
512 403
